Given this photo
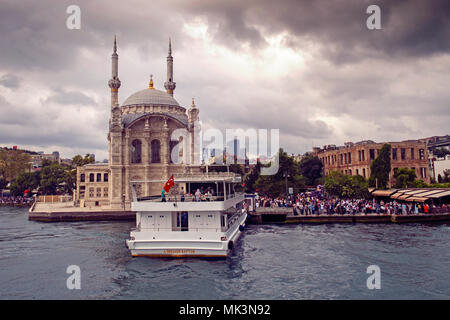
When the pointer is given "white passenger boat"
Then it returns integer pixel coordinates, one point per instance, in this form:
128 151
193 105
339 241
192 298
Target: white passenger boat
188 227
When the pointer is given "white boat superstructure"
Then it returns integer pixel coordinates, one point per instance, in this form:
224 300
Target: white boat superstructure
186 226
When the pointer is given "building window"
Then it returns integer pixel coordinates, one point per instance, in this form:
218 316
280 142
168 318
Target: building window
412 153
91 192
394 153
99 177
99 192
82 177
342 158
349 158
364 172
91 177
173 144
136 151
423 172
403 153
350 172
372 154
345 158
105 192
105 177
363 155
156 148
421 154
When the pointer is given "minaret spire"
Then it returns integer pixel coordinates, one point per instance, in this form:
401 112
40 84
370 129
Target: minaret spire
114 83
169 84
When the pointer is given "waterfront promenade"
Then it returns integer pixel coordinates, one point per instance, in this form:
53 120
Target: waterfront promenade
285 215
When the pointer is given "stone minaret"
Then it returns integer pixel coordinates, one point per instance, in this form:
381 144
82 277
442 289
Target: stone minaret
169 84
114 83
115 138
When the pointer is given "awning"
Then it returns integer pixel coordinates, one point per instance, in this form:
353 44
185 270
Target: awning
415 192
403 197
418 199
383 193
428 192
399 193
440 195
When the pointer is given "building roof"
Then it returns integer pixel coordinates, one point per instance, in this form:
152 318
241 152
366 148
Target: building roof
150 97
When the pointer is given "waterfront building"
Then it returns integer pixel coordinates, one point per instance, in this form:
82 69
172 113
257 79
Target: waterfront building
139 144
356 158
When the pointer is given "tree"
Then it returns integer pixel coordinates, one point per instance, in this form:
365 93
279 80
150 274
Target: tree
24 181
78 161
51 177
404 178
13 162
311 168
345 186
441 152
3 183
380 168
288 175
251 178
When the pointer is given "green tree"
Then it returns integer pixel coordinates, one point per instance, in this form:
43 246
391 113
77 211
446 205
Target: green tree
380 168
288 175
252 177
346 186
311 168
441 152
404 178
3 183
79 161
52 176
25 180
13 162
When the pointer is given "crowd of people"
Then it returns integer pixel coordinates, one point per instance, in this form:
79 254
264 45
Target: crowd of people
316 203
14 201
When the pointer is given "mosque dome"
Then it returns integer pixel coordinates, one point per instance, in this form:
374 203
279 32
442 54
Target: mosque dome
150 97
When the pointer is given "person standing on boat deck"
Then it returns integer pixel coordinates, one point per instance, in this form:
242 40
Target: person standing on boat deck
198 195
163 195
182 194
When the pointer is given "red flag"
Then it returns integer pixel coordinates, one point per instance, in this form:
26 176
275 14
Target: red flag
169 184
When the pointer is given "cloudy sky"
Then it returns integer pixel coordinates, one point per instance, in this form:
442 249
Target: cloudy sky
310 68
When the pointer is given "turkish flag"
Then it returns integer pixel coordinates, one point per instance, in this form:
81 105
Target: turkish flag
169 184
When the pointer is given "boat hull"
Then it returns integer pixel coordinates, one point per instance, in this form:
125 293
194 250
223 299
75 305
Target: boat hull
186 249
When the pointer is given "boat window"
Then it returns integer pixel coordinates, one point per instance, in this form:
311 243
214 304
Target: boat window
184 221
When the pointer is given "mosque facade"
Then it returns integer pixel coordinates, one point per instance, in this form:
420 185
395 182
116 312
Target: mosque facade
141 144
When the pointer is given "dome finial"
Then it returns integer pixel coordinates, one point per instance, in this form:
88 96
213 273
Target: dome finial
150 85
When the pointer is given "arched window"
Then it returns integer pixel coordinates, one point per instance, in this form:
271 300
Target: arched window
156 148
174 144
136 151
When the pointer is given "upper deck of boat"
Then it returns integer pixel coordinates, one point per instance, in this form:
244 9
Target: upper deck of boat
219 201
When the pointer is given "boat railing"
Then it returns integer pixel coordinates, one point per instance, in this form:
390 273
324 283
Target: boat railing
190 198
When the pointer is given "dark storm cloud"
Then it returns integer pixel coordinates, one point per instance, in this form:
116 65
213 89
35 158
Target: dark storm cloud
409 27
10 81
34 35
